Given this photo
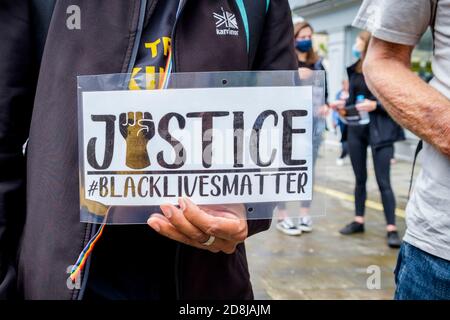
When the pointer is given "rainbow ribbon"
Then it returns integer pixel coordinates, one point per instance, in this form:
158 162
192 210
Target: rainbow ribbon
164 82
84 255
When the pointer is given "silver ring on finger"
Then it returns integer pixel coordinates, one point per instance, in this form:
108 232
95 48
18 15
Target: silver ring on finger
209 242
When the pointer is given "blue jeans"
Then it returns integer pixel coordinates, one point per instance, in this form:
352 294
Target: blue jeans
421 276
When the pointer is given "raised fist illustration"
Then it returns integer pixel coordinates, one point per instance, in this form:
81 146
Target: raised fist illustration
137 128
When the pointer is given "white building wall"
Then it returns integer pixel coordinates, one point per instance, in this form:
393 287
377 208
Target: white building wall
336 24
336 58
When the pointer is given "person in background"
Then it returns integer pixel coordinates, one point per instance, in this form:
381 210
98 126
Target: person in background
171 258
343 95
423 266
308 60
380 134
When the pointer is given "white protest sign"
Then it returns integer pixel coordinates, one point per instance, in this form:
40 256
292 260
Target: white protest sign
214 145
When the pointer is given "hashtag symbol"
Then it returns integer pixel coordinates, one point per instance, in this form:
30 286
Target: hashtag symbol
92 188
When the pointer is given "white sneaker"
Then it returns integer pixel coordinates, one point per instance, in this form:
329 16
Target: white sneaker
305 224
340 162
286 226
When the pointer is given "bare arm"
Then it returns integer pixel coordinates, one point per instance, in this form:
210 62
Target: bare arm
409 100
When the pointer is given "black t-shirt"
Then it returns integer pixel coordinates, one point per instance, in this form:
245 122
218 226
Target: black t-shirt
357 86
134 262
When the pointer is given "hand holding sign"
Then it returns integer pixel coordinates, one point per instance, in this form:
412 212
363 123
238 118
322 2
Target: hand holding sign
194 225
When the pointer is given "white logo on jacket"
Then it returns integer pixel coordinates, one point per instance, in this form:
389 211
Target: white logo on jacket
226 23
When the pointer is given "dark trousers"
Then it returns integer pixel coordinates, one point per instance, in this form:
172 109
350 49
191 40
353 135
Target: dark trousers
358 141
344 134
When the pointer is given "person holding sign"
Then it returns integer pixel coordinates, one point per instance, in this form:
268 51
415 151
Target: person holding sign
186 251
380 134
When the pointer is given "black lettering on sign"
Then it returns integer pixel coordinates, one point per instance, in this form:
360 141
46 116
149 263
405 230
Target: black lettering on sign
238 135
141 194
113 189
229 188
302 181
188 192
153 188
246 183
109 120
103 188
288 131
215 192
207 134
277 181
180 185
203 183
129 186
289 182
261 181
166 188
163 130
255 139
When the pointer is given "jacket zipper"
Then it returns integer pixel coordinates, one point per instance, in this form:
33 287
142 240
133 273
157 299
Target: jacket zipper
178 245
137 40
142 12
182 4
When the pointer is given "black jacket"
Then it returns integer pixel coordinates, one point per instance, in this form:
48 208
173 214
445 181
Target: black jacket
38 99
383 129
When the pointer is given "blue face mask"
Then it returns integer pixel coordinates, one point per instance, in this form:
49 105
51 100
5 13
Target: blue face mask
303 45
356 53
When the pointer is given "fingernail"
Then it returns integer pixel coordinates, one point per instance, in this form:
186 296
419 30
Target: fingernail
154 225
182 204
187 201
167 210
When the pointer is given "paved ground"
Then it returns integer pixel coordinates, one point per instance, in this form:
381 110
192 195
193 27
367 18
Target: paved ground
324 264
